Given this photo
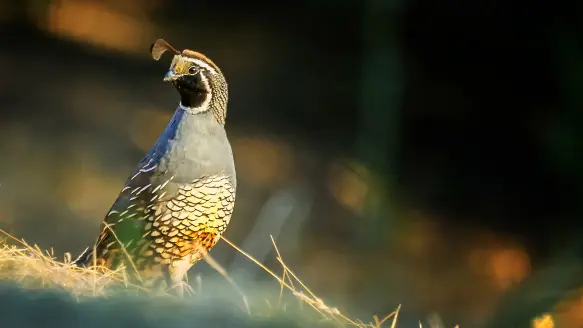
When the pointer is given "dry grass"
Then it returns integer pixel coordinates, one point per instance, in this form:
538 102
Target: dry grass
31 267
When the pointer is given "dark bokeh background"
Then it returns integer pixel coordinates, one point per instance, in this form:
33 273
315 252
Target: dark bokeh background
424 153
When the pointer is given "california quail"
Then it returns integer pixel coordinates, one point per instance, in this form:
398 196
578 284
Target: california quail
181 195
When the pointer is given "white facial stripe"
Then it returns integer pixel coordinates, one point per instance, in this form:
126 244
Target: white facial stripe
200 63
205 104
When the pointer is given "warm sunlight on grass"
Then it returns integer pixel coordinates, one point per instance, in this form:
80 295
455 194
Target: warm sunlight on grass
31 267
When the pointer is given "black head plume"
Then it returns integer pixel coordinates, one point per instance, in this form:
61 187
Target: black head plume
159 47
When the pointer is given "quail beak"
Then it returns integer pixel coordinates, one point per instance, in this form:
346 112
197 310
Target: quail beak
170 76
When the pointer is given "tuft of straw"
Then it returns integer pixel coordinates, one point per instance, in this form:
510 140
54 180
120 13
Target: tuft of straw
32 268
289 280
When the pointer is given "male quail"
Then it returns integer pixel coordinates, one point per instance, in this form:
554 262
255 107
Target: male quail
180 198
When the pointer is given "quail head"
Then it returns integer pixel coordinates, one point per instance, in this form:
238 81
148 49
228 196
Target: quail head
178 201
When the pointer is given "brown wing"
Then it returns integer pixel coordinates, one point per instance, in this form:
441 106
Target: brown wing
125 222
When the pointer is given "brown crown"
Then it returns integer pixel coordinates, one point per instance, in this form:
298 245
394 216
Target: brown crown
198 55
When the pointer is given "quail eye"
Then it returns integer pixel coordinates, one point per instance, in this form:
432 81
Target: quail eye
192 70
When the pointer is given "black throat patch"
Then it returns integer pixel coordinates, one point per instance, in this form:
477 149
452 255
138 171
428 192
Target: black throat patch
192 90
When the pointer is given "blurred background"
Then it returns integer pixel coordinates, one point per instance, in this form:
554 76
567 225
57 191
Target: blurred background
424 153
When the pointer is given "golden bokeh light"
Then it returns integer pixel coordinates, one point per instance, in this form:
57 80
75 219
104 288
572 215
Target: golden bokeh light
349 184
99 24
544 321
262 161
569 312
505 265
509 266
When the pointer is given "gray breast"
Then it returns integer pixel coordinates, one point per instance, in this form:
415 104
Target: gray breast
200 147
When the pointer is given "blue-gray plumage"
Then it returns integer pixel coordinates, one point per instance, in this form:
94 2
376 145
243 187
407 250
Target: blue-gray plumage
179 200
